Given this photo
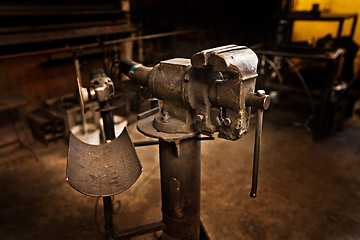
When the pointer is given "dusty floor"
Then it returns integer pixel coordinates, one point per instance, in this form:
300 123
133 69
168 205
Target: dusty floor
307 189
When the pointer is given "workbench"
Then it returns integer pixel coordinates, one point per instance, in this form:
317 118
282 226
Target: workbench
323 99
283 56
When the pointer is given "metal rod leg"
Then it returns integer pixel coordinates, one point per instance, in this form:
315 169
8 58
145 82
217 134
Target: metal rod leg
108 208
108 215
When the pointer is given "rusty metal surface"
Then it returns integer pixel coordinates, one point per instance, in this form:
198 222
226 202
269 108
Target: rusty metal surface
211 92
258 102
146 127
232 58
200 59
102 170
238 66
166 83
180 188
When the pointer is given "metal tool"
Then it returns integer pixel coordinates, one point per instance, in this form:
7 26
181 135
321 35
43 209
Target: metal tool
107 169
211 92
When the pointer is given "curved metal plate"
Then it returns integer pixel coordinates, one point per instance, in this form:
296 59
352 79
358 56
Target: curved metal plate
102 170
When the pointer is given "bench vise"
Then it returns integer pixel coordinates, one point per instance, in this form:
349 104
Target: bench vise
211 92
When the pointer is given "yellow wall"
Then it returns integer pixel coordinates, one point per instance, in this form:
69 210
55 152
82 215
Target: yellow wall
312 30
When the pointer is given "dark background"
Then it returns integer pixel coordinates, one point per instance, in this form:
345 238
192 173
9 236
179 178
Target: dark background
219 22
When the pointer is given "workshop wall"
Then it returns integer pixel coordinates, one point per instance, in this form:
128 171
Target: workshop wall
39 78
236 22
311 31
24 75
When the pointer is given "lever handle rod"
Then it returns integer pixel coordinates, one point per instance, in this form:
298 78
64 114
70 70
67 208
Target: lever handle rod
259 116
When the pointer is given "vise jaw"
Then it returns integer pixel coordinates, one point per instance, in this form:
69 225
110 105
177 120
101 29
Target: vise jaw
227 95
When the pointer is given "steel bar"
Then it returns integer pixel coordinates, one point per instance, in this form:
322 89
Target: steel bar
259 115
330 55
146 143
148 113
95 45
141 230
155 142
108 215
150 36
55 26
61 34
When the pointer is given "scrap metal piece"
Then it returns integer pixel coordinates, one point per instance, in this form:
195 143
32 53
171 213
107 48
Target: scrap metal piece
102 170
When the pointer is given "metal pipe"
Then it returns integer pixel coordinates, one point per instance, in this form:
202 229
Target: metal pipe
141 230
108 125
180 187
108 215
155 142
109 135
150 36
145 143
95 45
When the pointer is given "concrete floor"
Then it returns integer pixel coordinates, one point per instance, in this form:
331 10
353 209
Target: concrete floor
307 189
